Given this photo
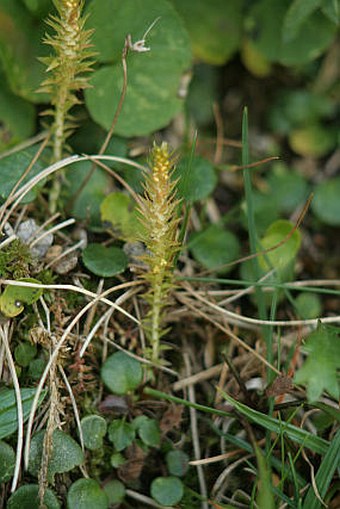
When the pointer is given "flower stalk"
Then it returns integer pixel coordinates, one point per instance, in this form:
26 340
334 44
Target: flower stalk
67 69
158 211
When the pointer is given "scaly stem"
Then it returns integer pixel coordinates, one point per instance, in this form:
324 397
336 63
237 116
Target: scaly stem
158 209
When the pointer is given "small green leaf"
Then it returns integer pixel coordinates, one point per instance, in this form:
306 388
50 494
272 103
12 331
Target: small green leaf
319 371
86 198
94 429
297 13
312 140
282 255
214 247
115 491
308 305
86 494
27 497
7 462
117 459
119 210
8 409
196 178
215 28
177 463
121 373
167 490
326 203
66 454
288 188
104 261
13 298
121 434
24 353
148 430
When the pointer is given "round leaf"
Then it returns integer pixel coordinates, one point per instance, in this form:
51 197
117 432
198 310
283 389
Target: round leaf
326 203
115 491
87 198
27 497
312 141
151 100
121 373
121 434
24 353
86 494
118 209
104 261
94 429
177 463
7 461
66 454
167 490
214 27
196 178
308 305
288 188
13 298
148 430
214 247
282 255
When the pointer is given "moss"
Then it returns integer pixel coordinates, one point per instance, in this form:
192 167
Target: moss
15 260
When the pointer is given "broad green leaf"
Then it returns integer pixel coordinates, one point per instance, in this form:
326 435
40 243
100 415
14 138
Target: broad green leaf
86 197
16 115
121 434
266 22
313 140
297 13
119 210
167 490
20 45
331 9
308 305
265 210
282 255
13 166
319 371
215 28
202 93
7 462
326 203
104 261
148 430
324 475
153 76
288 188
214 247
24 353
115 491
94 429
13 298
27 497
254 60
65 455
196 178
121 373
8 409
298 108
177 463
86 494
